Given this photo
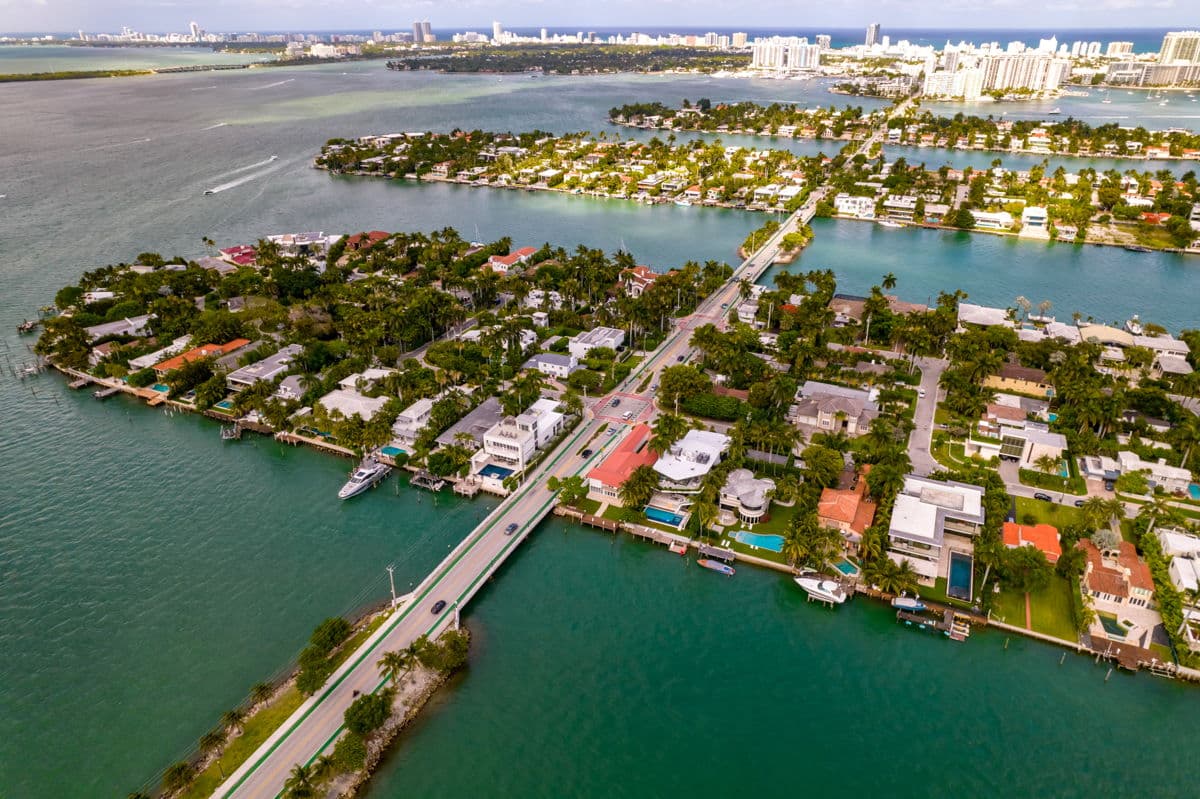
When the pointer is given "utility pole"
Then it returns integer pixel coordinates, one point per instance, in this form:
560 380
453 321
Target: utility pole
391 570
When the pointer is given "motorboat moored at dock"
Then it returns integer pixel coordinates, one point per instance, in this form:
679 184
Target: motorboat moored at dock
913 604
717 566
821 588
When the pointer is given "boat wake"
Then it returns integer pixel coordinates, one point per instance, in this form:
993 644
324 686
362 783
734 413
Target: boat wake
233 184
271 85
120 144
247 168
214 127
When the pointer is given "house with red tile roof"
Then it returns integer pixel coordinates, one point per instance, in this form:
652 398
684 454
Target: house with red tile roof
1043 537
605 481
364 240
1117 576
196 353
848 510
505 263
637 279
241 255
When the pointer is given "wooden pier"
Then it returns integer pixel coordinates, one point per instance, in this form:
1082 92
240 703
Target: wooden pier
82 382
428 481
467 487
106 392
588 519
955 625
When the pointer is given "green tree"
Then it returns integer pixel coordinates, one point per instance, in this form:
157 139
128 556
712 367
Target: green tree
299 783
393 665
232 720
369 712
639 487
668 428
571 491
177 776
821 465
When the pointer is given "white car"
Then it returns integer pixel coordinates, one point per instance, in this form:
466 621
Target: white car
627 415
921 392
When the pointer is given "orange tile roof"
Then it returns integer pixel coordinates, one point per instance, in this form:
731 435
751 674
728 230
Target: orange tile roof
848 506
630 454
206 351
1041 536
1108 580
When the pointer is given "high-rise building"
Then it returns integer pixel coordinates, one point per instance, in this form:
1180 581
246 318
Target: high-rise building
824 41
427 32
545 35
1180 47
418 37
1038 72
872 34
785 53
739 39
1119 49
497 30
194 27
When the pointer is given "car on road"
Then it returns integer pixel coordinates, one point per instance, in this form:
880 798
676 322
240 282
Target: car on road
438 606
679 359
1079 503
1042 497
587 453
615 402
921 393
724 305
512 528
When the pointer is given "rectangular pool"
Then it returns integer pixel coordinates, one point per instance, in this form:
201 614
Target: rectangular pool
760 540
161 388
224 405
1194 491
663 517
391 451
959 584
492 470
847 568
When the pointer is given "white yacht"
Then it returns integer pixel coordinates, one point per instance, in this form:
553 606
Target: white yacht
821 588
368 473
1134 325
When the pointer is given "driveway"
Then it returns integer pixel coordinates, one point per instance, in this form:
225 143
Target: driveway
921 438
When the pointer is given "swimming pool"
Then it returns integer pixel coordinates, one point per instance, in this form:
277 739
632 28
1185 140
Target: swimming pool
492 470
959 584
662 516
1112 627
847 568
1053 417
1194 491
224 405
760 540
161 388
392 452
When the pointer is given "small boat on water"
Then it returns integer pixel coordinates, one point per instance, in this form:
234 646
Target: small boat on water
821 588
912 604
209 191
717 566
1106 101
889 223
1137 248
368 473
1054 111
1134 325
685 203
28 325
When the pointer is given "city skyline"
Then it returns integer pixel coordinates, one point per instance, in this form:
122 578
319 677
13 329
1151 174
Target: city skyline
65 15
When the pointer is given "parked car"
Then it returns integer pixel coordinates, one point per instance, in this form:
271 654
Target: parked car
921 393
1079 503
1043 497
512 528
1109 485
439 606
615 402
587 453
627 415
679 359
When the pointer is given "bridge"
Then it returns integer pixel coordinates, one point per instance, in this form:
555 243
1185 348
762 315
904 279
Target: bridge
316 724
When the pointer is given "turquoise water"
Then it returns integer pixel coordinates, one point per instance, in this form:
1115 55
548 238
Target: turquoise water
124 640
1112 626
1194 491
162 388
392 452
761 540
959 584
665 517
492 470
225 405
847 568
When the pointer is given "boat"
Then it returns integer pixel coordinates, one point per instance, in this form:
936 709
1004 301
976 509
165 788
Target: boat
822 588
890 223
209 191
231 432
685 203
28 325
1106 101
717 566
368 473
912 604
1134 325
1054 111
1137 248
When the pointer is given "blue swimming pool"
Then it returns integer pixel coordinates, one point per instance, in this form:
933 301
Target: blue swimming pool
760 540
663 517
392 452
1053 417
492 470
161 388
224 405
1194 491
959 584
846 567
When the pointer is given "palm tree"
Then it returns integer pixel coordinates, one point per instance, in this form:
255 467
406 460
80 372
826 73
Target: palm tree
393 665
668 428
232 720
299 784
1047 463
639 487
705 512
888 282
261 692
324 766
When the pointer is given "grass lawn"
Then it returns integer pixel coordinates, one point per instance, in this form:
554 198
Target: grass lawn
1047 512
589 506
743 549
777 523
951 454
1053 482
262 724
1049 609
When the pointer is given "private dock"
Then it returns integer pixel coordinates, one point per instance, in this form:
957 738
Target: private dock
82 382
106 392
955 625
467 488
427 480
588 519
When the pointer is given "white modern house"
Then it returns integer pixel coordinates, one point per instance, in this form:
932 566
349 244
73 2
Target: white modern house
588 340
855 206
412 421
931 517
684 465
135 326
553 364
746 495
514 440
146 361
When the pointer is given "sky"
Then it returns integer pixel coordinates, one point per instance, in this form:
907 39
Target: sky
388 15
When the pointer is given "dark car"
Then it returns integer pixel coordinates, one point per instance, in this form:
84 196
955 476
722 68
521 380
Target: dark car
679 359
615 402
512 528
439 606
587 453
1043 497
1109 485
1079 503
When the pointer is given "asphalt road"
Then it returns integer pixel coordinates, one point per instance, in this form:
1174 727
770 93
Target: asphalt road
921 438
